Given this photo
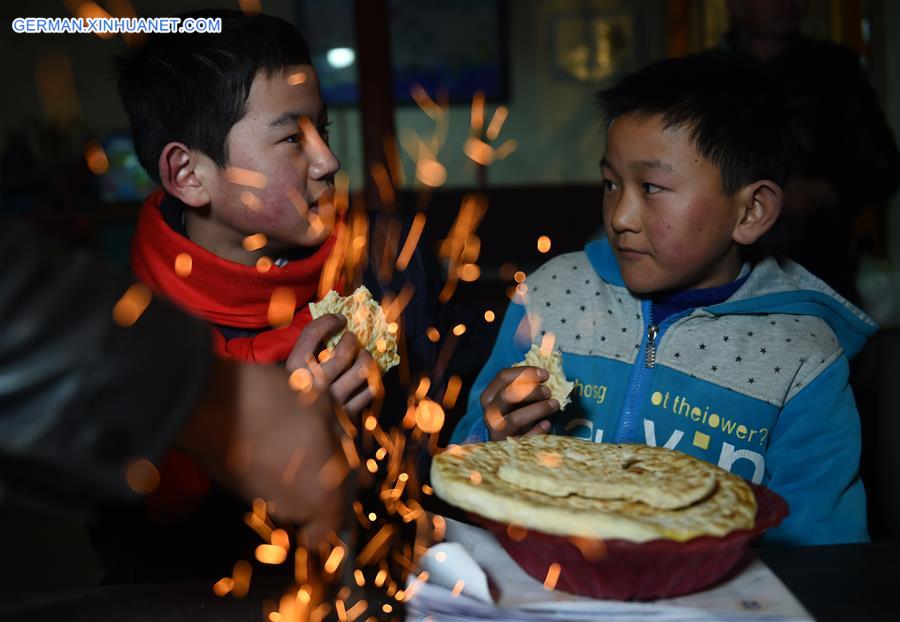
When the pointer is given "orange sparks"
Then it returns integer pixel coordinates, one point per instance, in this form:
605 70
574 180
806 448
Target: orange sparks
241 576
299 203
478 151
496 124
395 308
547 342
263 264
552 576
300 567
453 387
431 172
350 451
505 149
359 577
296 79
281 306
521 289
96 158
549 459
184 264
519 277
250 7
250 200
334 559
142 476
375 546
280 538
543 244
223 586
424 101
433 334
293 465
429 416
427 490
516 531
334 471
255 242
90 10
424 386
270 554
459 330
469 272
489 316
372 466
131 305
244 177
381 453
373 516
380 577
258 525
386 608
592 548
412 240
477 120
440 556
301 380
383 183
494 419
370 423
458 588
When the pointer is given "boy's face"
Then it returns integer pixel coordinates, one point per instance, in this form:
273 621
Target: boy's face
667 218
282 136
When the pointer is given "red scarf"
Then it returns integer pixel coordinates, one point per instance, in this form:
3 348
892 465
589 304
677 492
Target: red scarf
221 292
224 292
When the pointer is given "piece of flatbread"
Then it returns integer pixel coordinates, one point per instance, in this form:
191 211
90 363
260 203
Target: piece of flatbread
469 477
656 476
366 320
559 386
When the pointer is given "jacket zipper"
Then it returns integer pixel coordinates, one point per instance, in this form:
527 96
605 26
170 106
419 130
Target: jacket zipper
650 351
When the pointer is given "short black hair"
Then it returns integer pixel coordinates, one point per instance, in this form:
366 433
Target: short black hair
192 88
736 116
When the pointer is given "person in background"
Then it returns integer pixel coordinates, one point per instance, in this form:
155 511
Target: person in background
842 154
83 397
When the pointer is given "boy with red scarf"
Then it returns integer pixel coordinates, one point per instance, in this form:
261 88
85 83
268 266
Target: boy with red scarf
233 127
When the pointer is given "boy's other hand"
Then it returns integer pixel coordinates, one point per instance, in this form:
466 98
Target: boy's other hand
515 403
261 439
349 372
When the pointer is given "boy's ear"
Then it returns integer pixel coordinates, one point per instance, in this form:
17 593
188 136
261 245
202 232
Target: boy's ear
759 206
178 167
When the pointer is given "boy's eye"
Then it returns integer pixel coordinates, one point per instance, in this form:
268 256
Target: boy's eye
651 188
294 139
609 185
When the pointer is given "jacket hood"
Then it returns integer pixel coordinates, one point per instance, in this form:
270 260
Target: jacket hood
774 286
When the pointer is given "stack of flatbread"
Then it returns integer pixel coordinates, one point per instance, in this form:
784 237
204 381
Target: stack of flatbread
366 320
566 486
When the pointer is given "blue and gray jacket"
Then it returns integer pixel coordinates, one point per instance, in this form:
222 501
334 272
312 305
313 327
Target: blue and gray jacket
757 384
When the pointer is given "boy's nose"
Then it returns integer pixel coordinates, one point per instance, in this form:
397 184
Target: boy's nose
624 213
324 163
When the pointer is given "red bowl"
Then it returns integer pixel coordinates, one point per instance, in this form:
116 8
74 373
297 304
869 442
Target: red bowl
625 570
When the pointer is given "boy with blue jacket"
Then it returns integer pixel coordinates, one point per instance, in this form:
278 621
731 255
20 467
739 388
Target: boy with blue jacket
673 335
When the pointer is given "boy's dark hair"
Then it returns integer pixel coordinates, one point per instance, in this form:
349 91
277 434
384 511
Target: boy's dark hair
735 115
192 88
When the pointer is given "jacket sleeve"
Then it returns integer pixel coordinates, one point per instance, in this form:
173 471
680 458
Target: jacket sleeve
813 462
80 397
513 341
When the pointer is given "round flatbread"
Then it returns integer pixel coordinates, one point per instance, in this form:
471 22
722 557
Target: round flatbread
656 476
469 476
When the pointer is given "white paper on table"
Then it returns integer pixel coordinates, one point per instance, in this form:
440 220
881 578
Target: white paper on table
496 588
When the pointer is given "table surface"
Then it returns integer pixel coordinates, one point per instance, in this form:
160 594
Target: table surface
842 582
